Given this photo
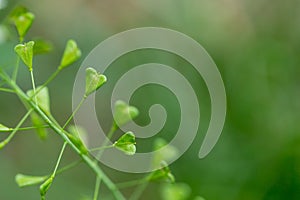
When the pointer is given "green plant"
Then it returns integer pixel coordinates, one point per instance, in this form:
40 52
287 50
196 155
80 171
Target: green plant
37 103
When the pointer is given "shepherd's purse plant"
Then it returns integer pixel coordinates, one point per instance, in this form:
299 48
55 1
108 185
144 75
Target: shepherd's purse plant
37 103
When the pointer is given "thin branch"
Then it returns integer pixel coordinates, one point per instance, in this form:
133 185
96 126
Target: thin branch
97 188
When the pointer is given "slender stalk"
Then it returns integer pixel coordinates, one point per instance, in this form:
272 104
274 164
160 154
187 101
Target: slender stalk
7 90
74 112
69 166
46 185
33 86
101 148
139 191
131 183
47 82
8 139
97 187
15 73
106 141
58 129
59 158
24 128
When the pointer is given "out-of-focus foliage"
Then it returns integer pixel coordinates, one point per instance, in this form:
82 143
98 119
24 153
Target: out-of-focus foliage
256 46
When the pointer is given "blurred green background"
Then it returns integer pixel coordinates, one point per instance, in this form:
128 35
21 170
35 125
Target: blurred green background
256 47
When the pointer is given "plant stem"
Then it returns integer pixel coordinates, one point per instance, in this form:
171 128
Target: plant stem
46 185
58 129
73 113
15 73
69 166
7 90
33 86
131 183
107 139
25 128
101 148
47 81
97 187
59 158
7 140
139 191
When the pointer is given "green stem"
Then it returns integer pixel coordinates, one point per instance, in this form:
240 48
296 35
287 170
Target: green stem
58 129
7 90
69 166
97 187
24 128
139 191
7 140
33 86
101 148
59 158
107 139
131 183
46 185
47 81
65 168
73 113
15 73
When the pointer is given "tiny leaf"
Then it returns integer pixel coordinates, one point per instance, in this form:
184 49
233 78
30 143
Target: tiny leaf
25 180
25 52
162 174
177 191
126 143
124 113
23 22
41 46
71 54
4 128
94 80
45 186
16 12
